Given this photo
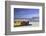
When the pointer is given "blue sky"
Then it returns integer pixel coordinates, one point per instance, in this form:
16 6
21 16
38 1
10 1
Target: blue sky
25 13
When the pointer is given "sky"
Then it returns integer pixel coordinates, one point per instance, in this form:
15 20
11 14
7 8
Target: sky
25 13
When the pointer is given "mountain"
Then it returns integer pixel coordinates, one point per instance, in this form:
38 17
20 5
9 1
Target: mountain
34 19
